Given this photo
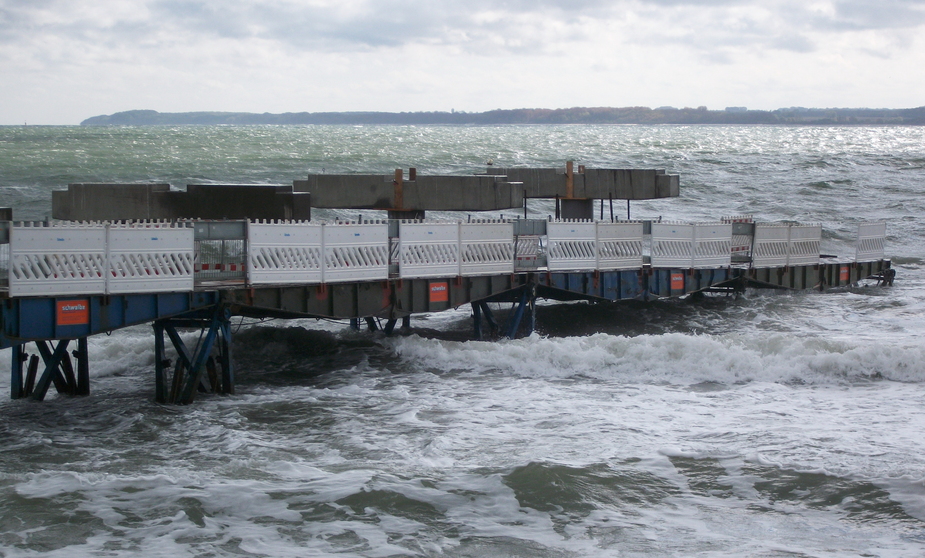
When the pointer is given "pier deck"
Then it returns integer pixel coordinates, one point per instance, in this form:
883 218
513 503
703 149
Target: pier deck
66 281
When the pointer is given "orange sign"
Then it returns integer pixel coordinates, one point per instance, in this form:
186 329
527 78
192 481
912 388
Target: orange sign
73 312
439 292
677 281
844 274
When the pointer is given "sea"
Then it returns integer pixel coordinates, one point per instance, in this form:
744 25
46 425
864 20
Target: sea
772 424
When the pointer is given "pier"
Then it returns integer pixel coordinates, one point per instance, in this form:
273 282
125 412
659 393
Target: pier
123 255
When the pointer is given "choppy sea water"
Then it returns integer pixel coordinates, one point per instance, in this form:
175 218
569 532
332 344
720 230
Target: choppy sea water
775 424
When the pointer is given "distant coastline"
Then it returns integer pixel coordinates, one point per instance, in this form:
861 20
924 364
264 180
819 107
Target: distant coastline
578 115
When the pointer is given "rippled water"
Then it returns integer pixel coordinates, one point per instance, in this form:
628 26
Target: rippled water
770 425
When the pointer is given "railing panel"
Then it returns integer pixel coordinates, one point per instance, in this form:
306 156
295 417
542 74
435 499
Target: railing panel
146 258
741 243
672 245
486 248
572 246
529 254
220 260
619 245
805 241
871 242
428 249
356 252
772 245
285 253
712 245
57 259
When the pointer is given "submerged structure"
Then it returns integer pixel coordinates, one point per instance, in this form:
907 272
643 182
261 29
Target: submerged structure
120 255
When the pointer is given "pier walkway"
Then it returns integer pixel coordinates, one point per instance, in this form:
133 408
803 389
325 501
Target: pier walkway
63 281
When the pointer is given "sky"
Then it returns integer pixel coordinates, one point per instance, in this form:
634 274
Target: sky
62 61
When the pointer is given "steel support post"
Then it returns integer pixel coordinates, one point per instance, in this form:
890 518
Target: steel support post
16 377
53 372
189 372
477 320
83 367
489 317
514 320
526 307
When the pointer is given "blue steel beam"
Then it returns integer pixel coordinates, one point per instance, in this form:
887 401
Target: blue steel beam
46 318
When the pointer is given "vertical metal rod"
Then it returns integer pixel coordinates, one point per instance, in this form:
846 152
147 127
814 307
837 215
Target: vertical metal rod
33 371
525 203
160 362
611 206
226 359
557 207
83 367
19 357
514 320
477 321
627 210
489 317
602 209
70 379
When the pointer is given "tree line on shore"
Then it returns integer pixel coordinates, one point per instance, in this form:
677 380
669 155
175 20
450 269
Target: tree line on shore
577 115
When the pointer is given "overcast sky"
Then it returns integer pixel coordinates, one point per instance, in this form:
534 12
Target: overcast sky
62 61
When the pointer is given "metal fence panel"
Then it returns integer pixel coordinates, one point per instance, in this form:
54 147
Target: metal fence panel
572 246
486 247
772 245
145 258
356 251
285 253
712 245
57 259
672 245
619 245
871 242
804 244
428 249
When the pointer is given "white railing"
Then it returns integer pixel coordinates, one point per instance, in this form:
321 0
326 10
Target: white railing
285 252
149 257
871 241
356 251
805 242
619 245
428 249
572 246
741 243
783 245
691 245
486 248
58 258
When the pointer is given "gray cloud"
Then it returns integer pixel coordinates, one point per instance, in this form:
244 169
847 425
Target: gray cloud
472 25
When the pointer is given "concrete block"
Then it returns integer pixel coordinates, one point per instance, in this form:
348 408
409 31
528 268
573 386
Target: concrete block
462 193
539 182
643 184
92 202
349 191
599 183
